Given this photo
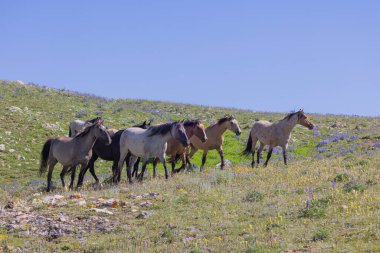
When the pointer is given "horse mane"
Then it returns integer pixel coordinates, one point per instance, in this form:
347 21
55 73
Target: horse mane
290 115
93 120
191 123
143 125
225 118
84 131
160 129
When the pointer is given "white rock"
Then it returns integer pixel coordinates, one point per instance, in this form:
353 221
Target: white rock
98 210
14 109
20 157
2 147
8 133
227 164
12 150
55 126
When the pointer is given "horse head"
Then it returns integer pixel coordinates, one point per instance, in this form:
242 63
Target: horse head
304 120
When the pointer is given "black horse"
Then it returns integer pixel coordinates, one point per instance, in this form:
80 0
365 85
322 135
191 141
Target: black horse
108 153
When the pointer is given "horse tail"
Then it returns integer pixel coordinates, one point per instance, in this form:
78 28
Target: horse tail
45 156
248 148
70 133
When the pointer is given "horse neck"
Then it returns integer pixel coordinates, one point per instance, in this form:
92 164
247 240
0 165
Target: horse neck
87 141
189 131
287 125
219 129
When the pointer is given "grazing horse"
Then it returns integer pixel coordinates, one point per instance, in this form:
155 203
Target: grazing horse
149 143
78 125
71 151
108 153
215 138
274 134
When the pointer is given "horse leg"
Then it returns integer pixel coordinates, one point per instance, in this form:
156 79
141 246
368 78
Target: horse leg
254 141
141 176
136 168
259 152
183 158
204 157
268 156
92 169
173 161
162 159
132 162
284 155
188 161
220 151
62 176
155 161
73 170
50 174
123 154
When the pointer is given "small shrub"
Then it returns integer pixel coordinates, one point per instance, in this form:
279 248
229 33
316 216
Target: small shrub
169 235
254 196
354 186
320 235
342 178
363 163
317 208
253 248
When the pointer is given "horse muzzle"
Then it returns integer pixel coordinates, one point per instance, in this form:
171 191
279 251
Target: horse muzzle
186 143
204 139
238 133
310 126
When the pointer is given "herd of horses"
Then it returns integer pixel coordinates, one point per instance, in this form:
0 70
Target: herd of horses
90 140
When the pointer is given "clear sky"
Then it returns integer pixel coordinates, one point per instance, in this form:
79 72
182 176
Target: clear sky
323 56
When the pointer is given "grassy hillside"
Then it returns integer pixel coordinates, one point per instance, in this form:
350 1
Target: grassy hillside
327 199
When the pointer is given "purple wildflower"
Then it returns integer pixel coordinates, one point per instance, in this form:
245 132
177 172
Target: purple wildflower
316 131
307 203
354 137
324 142
377 145
333 183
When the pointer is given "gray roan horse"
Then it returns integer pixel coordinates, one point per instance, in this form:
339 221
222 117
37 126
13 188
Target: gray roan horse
71 151
77 126
274 134
149 143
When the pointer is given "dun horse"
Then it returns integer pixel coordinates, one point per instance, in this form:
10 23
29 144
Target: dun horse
71 151
215 138
274 134
175 150
108 153
149 143
78 125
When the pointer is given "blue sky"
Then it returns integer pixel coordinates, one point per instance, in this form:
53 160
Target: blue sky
323 56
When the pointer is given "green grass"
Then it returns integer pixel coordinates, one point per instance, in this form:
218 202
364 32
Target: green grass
237 210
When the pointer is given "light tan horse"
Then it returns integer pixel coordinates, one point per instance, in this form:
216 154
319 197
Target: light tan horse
71 151
215 138
176 150
274 134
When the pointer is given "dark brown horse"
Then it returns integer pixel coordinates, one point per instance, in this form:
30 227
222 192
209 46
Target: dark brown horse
107 153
